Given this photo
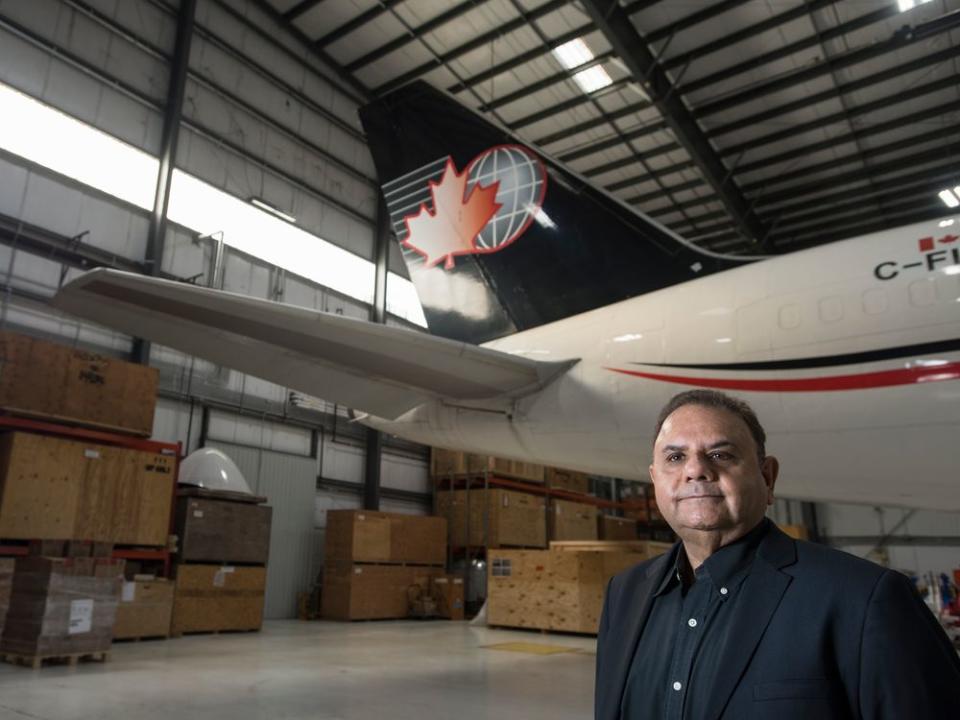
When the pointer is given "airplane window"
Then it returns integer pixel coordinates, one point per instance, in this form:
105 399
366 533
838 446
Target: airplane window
923 292
874 301
831 309
789 317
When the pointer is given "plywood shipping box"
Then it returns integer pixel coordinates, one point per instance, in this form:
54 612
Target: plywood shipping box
496 517
44 379
364 536
448 592
616 528
569 520
6 583
222 531
144 610
213 598
62 606
444 463
568 480
371 592
53 488
643 549
550 589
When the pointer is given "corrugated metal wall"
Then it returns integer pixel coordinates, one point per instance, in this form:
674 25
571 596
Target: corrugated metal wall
289 482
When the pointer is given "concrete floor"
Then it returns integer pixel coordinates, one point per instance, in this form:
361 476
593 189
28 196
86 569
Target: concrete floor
402 670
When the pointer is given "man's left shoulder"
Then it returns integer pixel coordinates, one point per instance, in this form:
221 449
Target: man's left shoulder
826 563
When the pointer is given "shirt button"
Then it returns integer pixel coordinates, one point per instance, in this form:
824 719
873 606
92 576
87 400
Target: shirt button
692 622
723 591
677 686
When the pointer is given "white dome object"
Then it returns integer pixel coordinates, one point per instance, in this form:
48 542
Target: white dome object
211 469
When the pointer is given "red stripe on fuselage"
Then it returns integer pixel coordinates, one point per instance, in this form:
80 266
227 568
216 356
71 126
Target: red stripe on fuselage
863 381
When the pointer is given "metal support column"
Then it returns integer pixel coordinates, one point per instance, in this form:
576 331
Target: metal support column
378 314
168 152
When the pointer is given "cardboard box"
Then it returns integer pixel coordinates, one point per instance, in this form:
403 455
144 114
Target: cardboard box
616 528
53 488
568 480
572 520
444 463
370 592
67 384
551 589
144 610
378 537
211 598
6 584
494 518
222 531
62 606
448 591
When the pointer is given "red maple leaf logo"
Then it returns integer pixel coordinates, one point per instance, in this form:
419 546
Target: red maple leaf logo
452 228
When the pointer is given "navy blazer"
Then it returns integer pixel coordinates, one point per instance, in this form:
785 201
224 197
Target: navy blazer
817 634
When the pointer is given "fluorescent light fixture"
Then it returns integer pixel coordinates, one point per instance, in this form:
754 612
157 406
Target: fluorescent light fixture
949 199
905 5
724 340
629 337
573 54
947 223
271 209
37 132
592 79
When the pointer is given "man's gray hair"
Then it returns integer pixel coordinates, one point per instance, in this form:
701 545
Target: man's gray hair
715 399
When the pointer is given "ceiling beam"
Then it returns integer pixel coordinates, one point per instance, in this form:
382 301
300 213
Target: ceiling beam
580 98
592 123
478 42
543 84
356 23
615 24
693 19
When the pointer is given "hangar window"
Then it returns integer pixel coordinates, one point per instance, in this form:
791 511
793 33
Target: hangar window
789 317
874 301
922 292
831 309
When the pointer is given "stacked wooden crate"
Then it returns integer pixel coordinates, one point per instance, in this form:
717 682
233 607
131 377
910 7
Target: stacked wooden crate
79 485
558 589
223 546
372 560
444 463
6 584
494 517
569 518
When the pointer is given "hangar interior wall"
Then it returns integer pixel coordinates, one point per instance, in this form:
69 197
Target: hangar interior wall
262 118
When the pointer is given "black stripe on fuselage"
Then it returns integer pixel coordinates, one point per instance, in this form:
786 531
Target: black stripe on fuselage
869 356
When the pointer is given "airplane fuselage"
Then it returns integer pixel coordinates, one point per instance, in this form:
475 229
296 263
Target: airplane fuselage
849 353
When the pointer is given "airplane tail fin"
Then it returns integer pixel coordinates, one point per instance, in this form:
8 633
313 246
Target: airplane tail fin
499 237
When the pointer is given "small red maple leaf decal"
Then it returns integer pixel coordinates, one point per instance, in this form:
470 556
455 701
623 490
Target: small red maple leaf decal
452 228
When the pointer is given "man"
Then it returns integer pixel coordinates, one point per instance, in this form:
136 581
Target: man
740 621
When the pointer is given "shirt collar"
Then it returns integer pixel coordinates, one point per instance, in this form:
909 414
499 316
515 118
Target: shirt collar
723 565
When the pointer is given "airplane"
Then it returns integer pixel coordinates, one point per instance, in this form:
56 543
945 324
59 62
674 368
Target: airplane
561 320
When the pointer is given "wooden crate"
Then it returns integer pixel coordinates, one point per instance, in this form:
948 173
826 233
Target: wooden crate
52 381
378 537
611 527
568 480
53 488
451 462
448 592
370 592
569 520
510 518
144 610
645 549
549 589
218 598
222 531
61 606
6 583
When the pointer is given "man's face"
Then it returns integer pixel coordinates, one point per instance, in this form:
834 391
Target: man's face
707 475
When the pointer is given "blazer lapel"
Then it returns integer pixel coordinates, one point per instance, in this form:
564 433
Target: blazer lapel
760 595
634 607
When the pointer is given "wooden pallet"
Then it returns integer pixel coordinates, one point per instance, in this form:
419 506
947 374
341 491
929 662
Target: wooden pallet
37 661
213 632
145 638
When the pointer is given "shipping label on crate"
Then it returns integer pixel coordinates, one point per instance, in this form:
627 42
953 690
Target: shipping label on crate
81 617
129 593
220 577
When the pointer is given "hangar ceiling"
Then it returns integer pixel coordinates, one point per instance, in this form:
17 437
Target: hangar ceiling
743 125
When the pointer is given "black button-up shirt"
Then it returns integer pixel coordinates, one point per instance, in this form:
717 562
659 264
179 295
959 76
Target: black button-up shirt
671 676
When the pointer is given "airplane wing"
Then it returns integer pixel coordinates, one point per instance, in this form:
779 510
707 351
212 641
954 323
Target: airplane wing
381 370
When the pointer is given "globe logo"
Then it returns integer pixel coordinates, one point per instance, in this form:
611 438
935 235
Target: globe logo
522 182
